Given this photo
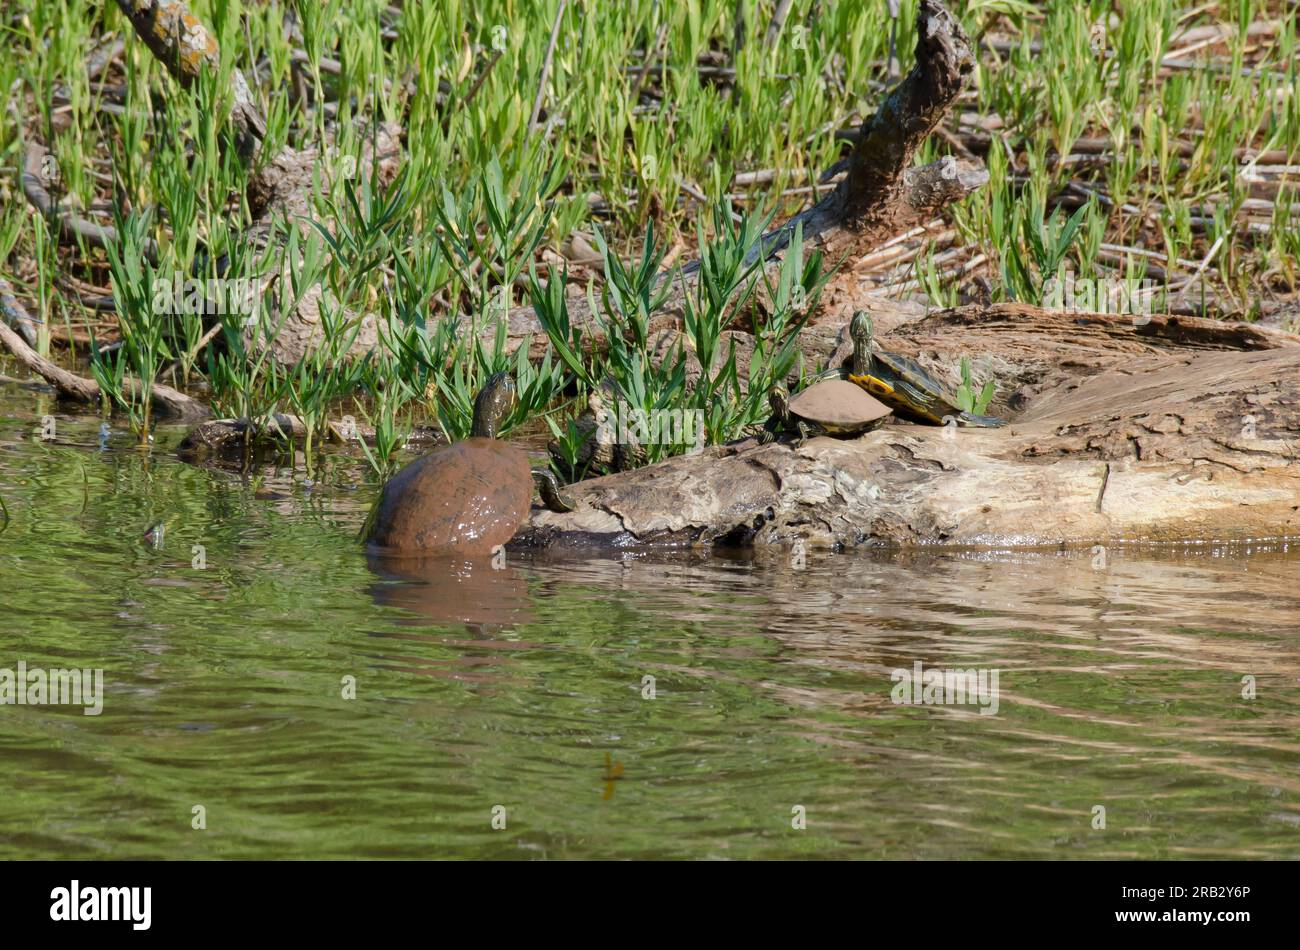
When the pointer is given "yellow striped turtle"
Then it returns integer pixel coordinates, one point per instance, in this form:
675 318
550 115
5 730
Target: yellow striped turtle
903 385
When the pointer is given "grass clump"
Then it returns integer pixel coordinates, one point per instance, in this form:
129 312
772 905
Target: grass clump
1131 141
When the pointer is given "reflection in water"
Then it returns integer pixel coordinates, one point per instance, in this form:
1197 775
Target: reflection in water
448 592
671 706
444 590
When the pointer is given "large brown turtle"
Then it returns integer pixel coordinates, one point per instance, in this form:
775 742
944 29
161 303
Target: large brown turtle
465 498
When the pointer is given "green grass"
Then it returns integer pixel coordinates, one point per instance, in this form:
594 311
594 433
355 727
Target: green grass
484 204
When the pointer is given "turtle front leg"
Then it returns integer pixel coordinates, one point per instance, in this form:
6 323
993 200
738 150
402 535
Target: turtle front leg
806 432
549 488
771 431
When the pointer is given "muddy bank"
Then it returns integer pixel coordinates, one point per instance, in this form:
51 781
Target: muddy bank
1175 429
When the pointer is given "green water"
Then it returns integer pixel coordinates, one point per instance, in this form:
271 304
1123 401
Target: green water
1120 685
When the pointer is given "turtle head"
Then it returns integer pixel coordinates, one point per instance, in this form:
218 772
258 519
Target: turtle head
493 402
779 400
861 332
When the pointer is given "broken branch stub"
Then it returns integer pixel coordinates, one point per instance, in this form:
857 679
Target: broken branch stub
882 195
908 115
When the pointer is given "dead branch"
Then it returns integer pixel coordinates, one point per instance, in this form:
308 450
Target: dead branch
186 47
882 195
778 21
165 400
228 440
546 67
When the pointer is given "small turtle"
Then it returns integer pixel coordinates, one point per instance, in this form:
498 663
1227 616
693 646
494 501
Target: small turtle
467 497
832 407
600 452
902 384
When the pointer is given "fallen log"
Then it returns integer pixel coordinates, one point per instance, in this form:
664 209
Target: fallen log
1168 430
165 400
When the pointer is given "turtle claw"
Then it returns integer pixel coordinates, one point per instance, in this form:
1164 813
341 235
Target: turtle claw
549 488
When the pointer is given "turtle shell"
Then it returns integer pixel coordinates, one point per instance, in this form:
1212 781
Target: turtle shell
468 497
838 405
911 372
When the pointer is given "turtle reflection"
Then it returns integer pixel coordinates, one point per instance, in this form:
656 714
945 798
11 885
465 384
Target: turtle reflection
449 590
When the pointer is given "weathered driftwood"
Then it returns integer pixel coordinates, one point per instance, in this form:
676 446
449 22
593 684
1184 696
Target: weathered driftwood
1171 430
